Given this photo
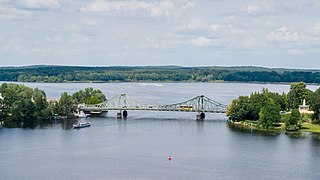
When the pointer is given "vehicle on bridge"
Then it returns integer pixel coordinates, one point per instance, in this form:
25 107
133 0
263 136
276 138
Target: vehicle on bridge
185 108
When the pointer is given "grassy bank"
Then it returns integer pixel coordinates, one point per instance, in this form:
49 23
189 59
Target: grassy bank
306 127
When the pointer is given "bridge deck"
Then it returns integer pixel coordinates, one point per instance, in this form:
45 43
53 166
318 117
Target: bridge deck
123 102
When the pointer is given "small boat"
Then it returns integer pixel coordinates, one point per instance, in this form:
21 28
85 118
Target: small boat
81 125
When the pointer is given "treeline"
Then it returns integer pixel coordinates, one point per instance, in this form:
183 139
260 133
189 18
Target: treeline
21 103
58 74
265 107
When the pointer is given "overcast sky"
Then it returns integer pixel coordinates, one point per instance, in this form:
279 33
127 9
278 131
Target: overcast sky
271 33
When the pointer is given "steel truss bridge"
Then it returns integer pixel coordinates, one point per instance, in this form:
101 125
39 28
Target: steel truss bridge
123 102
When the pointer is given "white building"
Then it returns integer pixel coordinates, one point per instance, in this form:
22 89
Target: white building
304 109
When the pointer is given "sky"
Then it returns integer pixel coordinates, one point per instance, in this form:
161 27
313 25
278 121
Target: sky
269 33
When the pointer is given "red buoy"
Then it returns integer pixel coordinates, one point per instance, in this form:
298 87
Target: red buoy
169 158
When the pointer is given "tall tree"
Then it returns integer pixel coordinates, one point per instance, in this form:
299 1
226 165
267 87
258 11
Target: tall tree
238 110
40 101
269 114
294 120
315 106
88 95
23 110
296 94
66 105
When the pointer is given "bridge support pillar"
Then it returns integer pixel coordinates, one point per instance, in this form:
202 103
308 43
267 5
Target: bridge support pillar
200 116
119 115
125 114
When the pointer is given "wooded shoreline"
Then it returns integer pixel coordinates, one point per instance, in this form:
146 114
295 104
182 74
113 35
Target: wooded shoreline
60 74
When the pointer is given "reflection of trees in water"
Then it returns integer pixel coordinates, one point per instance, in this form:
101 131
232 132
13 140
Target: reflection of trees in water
39 123
67 123
316 138
242 129
298 135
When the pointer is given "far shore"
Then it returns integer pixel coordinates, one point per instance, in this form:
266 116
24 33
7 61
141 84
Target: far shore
93 82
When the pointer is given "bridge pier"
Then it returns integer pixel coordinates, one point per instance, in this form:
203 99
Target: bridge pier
125 114
200 116
119 115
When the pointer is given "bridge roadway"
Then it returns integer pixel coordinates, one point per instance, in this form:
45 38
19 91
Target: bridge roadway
123 103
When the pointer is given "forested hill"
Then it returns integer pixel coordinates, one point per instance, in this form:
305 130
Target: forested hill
55 74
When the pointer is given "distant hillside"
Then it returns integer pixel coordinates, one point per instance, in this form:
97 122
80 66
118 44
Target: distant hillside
55 74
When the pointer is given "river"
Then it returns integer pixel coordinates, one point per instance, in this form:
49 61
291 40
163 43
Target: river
138 148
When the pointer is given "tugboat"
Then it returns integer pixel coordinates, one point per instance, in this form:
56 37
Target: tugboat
81 125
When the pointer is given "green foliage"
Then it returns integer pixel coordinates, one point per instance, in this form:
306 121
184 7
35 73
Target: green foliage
55 74
294 120
297 93
89 96
66 105
315 106
23 109
269 114
22 103
249 108
40 101
93 100
239 108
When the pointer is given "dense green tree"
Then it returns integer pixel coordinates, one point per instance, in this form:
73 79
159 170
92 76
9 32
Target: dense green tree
40 101
257 100
315 106
238 110
89 96
23 110
66 105
93 100
20 102
269 114
297 93
294 120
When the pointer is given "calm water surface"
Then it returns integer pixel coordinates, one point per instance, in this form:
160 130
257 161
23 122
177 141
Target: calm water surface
137 148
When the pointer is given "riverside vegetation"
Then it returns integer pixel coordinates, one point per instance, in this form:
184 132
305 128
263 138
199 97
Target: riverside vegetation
261 110
23 104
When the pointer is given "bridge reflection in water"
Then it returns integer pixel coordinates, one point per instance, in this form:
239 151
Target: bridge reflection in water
123 103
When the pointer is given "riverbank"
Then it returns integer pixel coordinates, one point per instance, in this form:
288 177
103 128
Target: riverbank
280 127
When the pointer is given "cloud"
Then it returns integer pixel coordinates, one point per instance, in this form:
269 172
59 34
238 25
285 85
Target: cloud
10 13
40 4
249 42
188 5
74 38
53 39
253 9
78 38
155 9
201 41
226 29
317 27
295 51
194 27
12 48
283 35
